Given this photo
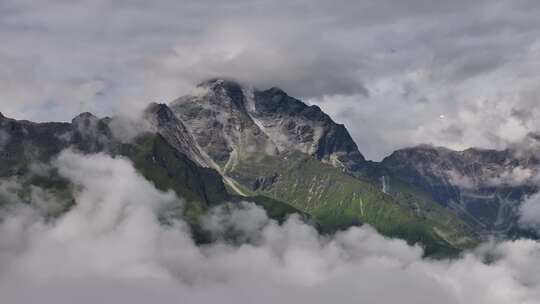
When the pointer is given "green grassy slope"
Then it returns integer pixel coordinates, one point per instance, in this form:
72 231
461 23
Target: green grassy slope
294 183
161 164
201 188
168 169
338 200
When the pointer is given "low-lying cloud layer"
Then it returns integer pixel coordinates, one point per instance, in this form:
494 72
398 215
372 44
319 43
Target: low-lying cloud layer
530 212
397 73
110 248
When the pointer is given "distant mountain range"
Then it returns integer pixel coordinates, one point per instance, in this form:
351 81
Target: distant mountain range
229 143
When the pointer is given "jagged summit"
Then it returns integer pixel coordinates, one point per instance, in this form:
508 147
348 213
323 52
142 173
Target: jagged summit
276 90
441 154
481 185
159 111
154 107
230 120
225 92
305 126
218 80
164 121
84 117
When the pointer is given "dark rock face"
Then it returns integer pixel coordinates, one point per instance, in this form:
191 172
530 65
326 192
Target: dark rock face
219 122
163 121
265 182
232 90
24 142
229 121
306 128
164 152
483 186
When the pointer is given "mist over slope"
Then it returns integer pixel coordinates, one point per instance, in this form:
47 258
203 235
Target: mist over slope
249 133
111 248
225 144
484 187
120 210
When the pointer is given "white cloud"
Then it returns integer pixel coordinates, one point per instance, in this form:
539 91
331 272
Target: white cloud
517 176
460 180
530 212
387 70
4 139
110 248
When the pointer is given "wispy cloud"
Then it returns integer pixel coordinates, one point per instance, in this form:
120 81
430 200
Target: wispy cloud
111 248
396 73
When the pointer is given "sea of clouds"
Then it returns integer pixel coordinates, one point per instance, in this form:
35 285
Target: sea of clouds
111 248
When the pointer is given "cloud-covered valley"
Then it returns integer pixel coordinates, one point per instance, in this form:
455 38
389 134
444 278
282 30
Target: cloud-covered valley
110 247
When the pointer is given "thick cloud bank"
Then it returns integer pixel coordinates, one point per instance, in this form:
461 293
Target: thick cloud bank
110 248
530 212
396 72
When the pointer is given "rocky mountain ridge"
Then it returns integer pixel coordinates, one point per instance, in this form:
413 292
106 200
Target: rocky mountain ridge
229 120
483 186
226 141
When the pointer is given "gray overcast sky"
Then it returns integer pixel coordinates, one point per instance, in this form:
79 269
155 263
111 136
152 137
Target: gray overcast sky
397 73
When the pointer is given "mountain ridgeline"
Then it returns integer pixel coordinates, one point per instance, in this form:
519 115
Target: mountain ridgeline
227 143
483 187
229 121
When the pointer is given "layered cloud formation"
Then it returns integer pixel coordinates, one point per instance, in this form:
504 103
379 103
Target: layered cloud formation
530 212
397 73
110 248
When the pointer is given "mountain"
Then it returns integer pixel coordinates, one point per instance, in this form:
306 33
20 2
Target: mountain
227 143
228 121
165 162
483 187
163 121
243 130
267 143
30 143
